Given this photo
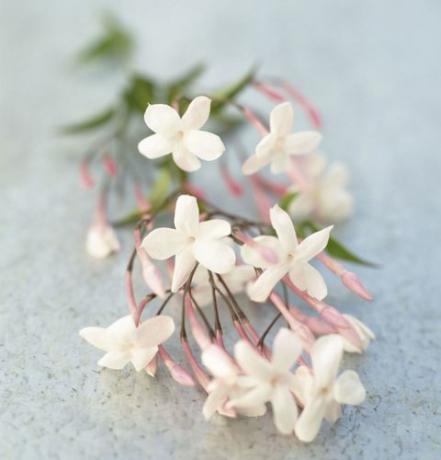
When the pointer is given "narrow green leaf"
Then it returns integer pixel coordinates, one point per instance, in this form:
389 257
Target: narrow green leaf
139 93
177 87
90 124
161 187
286 200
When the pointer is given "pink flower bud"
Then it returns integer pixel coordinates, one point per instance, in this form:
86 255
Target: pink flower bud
178 373
353 283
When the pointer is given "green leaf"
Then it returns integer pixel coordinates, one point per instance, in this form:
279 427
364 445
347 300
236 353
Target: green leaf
115 43
177 87
222 96
286 200
160 187
90 124
139 93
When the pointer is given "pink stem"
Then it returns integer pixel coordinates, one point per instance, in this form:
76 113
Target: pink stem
133 308
85 176
109 165
178 373
143 204
272 187
262 201
201 377
254 120
269 92
193 190
198 331
233 186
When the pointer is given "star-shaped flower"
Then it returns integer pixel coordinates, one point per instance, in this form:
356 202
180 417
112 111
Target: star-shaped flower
236 280
277 146
192 241
270 381
324 196
101 241
181 136
123 342
322 391
292 258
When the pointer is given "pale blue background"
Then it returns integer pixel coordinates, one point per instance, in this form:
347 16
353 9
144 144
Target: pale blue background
374 70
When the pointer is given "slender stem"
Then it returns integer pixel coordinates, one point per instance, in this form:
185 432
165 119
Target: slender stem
164 303
267 330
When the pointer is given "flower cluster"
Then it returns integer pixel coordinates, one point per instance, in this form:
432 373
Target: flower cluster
219 265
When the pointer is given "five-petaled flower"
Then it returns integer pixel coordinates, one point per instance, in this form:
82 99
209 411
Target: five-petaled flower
191 242
123 342
323 196
101 241
292 258
270 381
181 136
280 143
321 391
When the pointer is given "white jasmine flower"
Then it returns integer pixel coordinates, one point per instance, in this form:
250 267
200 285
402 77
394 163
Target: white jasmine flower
364 333
225 384
192 241
292 258
236 280
270 381
101 241
321 391
324 197
181 136
277 146
123 342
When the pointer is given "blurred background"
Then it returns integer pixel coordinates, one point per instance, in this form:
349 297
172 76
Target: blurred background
371 67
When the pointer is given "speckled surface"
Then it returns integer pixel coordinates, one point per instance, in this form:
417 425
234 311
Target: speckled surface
373 69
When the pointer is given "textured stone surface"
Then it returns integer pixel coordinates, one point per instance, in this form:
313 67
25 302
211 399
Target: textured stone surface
373 69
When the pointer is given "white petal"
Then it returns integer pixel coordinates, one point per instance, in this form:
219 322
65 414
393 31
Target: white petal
214 255
284 409
163 119
262 157
362 330
284 228
122 328
114 359
314 165
163 243
335 206
155 146
239 277
313 244
326 356
302 207
254 397
280 163
218 362
302 143
197 113
204 145
251 361
184 264
281 119
215 228
155 331
308 424
348 389
262 287
101 241
187 215
302 384
183 158
266 253
286 349
214 401
308 279
98 337
142 356
332 411
337 176
254 411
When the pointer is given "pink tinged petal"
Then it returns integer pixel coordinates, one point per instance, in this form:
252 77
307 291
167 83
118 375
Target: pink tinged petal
313 244
197 113
302 207
309 279
183 158
98 337
142 356
286 350
154 331
281 119
219 363
263 252
332 412
314 165
253 164
364 332
280 163
284 228
215 400
122 328
262 287
255 411
184 264
162 119
155 146
302 143
215 228
251 361
204 145
254 397
326 356
163 243
187 215
310 420
114 359
284 409
302 384
214 255
337 176
152 366
348 389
